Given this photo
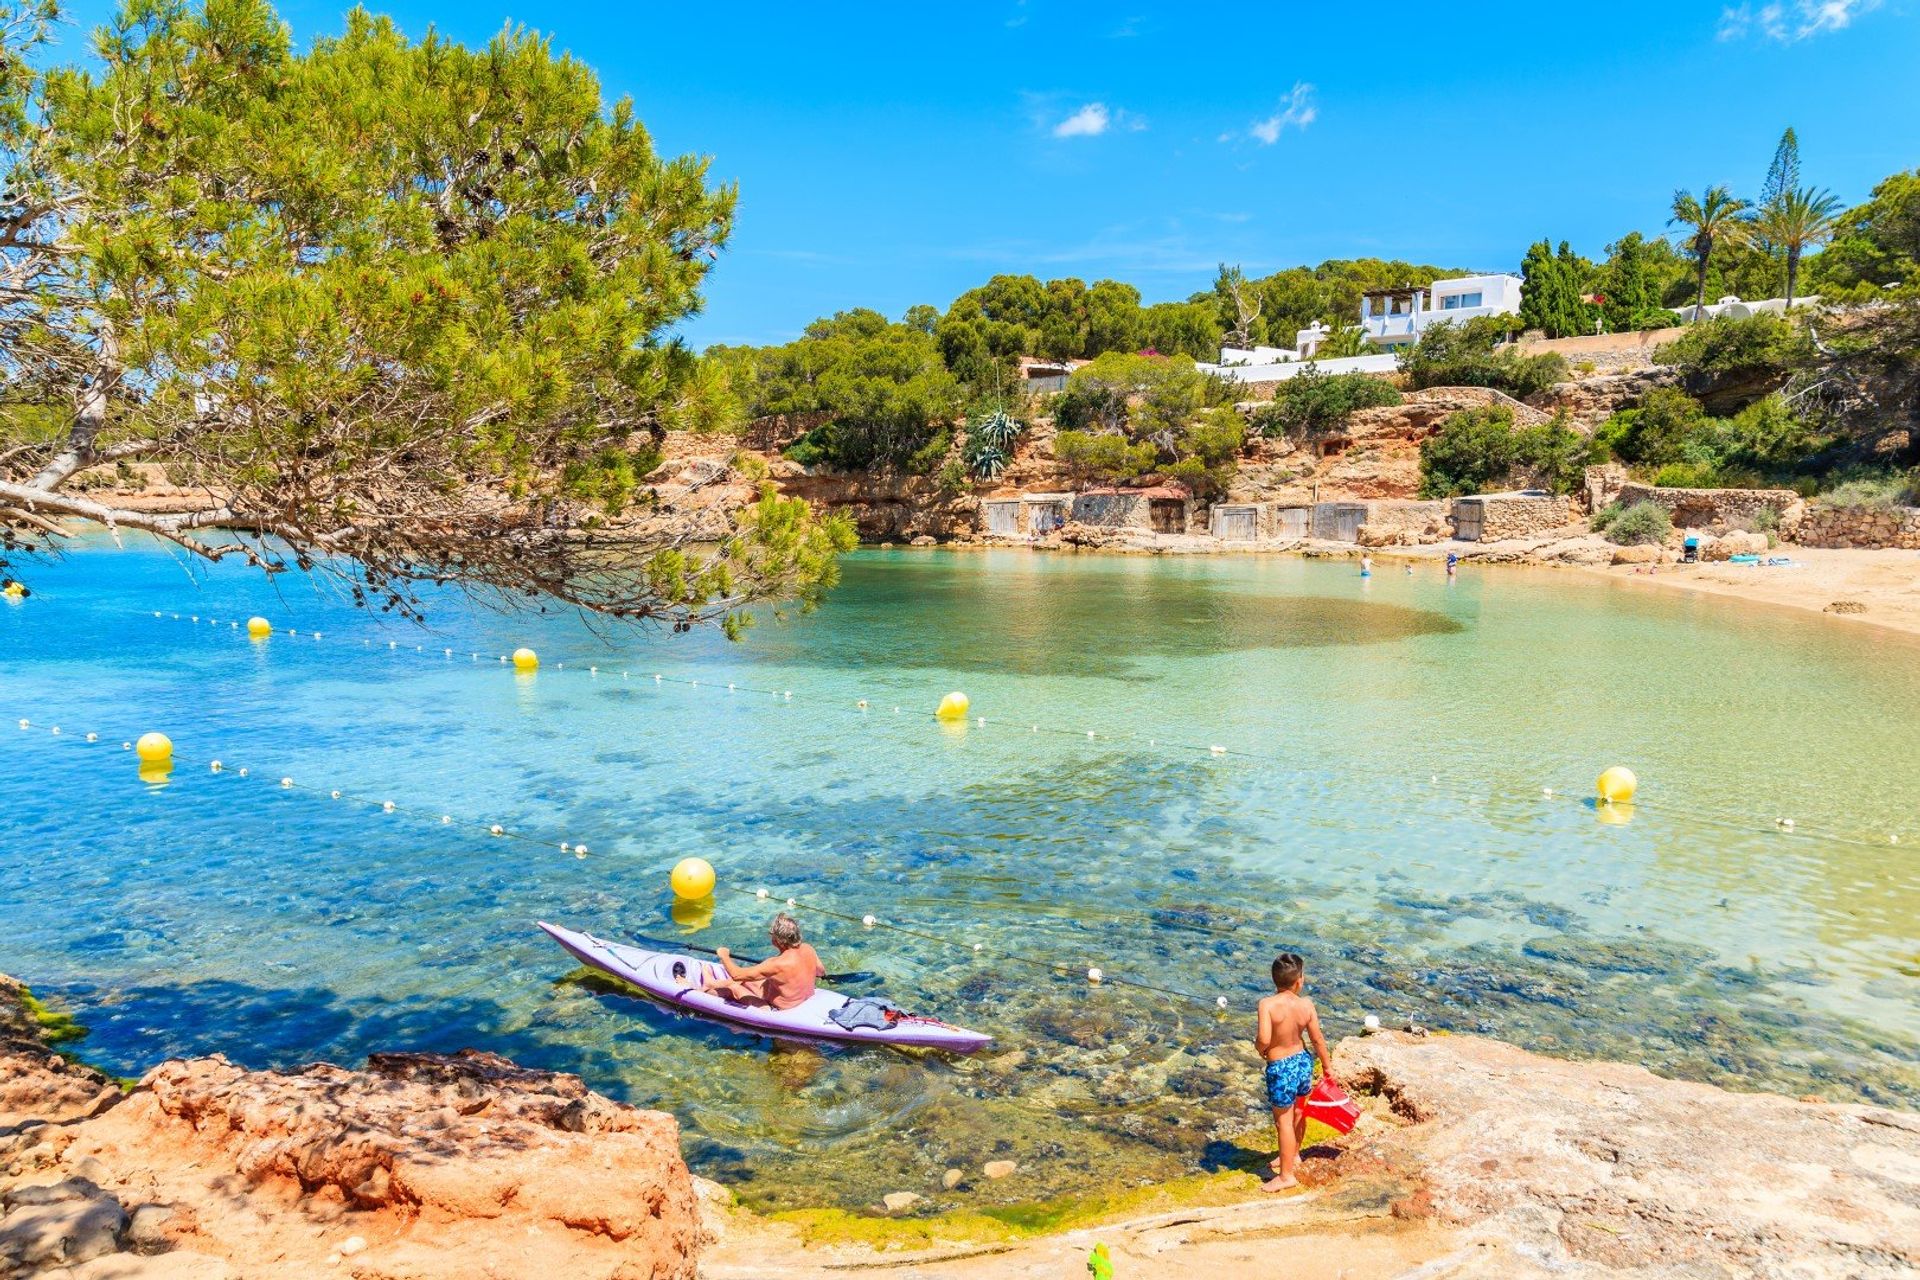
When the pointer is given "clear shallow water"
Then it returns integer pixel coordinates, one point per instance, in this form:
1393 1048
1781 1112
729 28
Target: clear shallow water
1380 809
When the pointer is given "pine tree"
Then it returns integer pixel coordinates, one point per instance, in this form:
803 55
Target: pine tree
1783 175
407 308
1551 289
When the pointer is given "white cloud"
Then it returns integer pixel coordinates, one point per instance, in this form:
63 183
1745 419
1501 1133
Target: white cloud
1786 24
1296 110
1089 121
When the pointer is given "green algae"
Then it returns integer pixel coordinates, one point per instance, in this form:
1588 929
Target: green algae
1000 1223
56 1027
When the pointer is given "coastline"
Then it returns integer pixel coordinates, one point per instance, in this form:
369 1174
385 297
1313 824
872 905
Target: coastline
1884 584
1472 1158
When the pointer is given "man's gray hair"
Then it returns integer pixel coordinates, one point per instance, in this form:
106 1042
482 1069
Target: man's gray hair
785 931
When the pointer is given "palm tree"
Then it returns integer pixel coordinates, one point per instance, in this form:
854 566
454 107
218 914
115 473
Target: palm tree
1797 221
1718 215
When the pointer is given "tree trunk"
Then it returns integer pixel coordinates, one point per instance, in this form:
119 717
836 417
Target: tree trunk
1703 250
1793 273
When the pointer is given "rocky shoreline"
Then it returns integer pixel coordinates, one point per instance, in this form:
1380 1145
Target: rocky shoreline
1474 1159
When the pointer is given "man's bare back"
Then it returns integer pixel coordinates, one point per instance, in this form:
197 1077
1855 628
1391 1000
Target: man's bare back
785 981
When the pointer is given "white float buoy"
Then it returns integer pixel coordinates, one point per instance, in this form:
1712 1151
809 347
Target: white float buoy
497 829
1219 1002
1371 1022
760 894
868 921
386 806
1094 975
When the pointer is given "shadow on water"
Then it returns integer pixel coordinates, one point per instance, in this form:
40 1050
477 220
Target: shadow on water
1044 622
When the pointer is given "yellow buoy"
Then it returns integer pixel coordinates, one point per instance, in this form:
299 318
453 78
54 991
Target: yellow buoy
259 628
154 748
1617 785
525 660
954 706
692 879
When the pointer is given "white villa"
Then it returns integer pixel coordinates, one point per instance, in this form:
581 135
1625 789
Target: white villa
1390 318
1396 317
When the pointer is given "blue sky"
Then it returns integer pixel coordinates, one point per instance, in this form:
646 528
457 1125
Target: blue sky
894 154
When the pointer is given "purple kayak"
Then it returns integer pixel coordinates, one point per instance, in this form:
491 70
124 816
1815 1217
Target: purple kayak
676 979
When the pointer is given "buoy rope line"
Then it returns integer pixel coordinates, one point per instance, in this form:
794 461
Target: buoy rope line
1739 823
1094 974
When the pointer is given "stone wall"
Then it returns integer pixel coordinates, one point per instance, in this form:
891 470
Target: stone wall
1698 508
1823 526
1111 510
1519 515
1403 524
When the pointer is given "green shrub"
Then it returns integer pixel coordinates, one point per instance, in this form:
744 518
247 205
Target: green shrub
1872 489
1657 431
1605 516
1689 475
1106 456
1477 450
1644 523
748 466
1760 346
1315 403
954 478
1470 355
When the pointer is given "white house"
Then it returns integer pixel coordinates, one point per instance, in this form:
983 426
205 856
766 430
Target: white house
1395 317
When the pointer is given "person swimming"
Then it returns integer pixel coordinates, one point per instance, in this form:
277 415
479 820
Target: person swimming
784 982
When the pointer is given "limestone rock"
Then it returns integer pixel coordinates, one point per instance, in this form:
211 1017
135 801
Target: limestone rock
1641 554
1604 1169
450 1162
64 1222
952 1178
37 1085
1736 543
998 1168
901 1201
184 1264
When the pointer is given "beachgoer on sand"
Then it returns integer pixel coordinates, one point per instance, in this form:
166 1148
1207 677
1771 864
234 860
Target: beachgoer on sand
784 982
1288 1021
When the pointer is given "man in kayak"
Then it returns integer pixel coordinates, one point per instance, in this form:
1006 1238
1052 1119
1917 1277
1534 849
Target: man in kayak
784 982
1288 1023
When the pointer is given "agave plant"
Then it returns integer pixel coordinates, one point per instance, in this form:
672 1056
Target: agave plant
998 430
987 460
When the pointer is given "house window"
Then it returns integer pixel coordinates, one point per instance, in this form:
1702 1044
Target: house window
1455 301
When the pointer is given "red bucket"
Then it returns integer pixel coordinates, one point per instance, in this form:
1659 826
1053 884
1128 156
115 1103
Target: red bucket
1330 1105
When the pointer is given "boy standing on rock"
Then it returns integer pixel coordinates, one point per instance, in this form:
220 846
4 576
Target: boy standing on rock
1287 1021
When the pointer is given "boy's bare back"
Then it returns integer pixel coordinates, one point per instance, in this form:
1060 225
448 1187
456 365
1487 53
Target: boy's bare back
1286 1019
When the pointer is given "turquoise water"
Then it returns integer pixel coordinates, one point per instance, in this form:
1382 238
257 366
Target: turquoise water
1378 806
